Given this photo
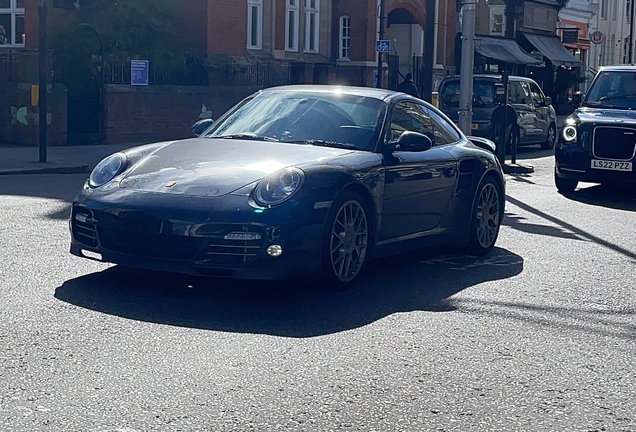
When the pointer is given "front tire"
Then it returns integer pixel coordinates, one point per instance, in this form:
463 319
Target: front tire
486 218
565 186
345 242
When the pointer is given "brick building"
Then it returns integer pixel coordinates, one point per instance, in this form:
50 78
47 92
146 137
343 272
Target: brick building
247 44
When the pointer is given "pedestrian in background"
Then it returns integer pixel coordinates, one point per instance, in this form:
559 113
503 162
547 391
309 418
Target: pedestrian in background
408 86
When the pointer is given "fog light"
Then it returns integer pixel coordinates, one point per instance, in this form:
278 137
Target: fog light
275 250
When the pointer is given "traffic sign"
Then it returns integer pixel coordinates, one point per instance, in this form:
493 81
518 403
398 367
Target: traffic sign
383 46
139 72
597 37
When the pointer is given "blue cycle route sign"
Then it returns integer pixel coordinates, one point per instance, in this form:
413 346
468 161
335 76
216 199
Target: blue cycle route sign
139 72
383 46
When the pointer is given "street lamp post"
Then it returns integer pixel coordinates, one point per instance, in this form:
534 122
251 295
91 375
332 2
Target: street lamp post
631 32
381 37
42 105
466 67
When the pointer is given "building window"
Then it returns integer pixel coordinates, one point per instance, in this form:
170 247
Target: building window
291 26
11 23
312 25
254 24
603 9
614 11
628 11
345 37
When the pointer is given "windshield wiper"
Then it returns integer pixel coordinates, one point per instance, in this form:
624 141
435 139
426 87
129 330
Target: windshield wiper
325 143
623 96
246 136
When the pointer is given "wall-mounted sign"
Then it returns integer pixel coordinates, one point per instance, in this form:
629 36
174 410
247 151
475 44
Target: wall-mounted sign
539 17
597 37
570 36
139 72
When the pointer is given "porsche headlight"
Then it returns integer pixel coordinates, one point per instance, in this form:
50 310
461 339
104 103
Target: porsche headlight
107 170
278 187
570 133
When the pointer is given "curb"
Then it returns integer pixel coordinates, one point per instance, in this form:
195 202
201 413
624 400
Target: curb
517 169
77 169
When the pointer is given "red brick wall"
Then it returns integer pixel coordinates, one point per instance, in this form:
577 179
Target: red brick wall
227 27
280 24
363 28
193 28
18 96
155 113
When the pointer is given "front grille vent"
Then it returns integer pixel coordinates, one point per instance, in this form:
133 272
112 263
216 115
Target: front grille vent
84 227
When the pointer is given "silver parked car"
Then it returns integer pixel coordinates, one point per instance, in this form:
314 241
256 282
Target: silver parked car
536 118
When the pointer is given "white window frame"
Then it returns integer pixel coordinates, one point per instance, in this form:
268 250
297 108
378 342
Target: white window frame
312 13
258 4
344 37
13 11
289 10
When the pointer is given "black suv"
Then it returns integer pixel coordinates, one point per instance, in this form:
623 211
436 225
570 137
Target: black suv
597 144
536 118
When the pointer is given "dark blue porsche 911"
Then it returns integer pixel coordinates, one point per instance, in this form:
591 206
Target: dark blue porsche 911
311 181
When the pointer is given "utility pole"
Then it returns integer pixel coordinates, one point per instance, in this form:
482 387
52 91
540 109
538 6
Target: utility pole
42 105
380 37
631 32
467 65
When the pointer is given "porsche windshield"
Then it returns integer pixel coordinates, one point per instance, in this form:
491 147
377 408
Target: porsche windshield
613 89
317 118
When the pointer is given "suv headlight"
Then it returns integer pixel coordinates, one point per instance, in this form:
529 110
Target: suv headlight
570 133
278 187
107 170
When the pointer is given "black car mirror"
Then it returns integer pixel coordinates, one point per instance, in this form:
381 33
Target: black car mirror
199 127
412 142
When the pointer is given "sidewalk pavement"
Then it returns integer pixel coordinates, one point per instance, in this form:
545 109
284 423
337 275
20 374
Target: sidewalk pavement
75 159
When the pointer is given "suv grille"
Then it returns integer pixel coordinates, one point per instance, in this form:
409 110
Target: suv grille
614 143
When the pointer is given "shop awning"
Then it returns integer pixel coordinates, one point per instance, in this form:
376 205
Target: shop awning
552 48
505 50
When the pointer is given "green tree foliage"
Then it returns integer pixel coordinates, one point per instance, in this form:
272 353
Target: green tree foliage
128 28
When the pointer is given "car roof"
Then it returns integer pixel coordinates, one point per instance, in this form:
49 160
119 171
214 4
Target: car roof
370 92
493 77
618 68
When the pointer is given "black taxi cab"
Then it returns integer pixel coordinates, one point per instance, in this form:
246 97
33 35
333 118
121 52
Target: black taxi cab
597 143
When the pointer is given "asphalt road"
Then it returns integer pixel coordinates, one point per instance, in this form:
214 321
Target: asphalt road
540 336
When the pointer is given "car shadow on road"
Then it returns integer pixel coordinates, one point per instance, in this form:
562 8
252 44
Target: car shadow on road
414 282
610 196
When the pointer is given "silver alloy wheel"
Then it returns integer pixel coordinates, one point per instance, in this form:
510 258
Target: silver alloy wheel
348 244
551 136
488 215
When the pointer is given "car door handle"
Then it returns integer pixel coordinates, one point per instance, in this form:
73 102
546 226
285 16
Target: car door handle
449 172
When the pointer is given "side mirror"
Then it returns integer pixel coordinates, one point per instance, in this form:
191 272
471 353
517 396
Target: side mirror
412 142
483 143
199 127
547 101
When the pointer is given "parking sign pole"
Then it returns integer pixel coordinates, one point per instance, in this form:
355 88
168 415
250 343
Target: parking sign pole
467 65
378 84
42 84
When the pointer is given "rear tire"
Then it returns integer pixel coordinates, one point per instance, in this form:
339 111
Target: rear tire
564 186
551 139
345 242
486 218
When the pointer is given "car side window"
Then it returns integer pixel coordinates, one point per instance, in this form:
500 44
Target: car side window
518 94
444 132
537 94
409 116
